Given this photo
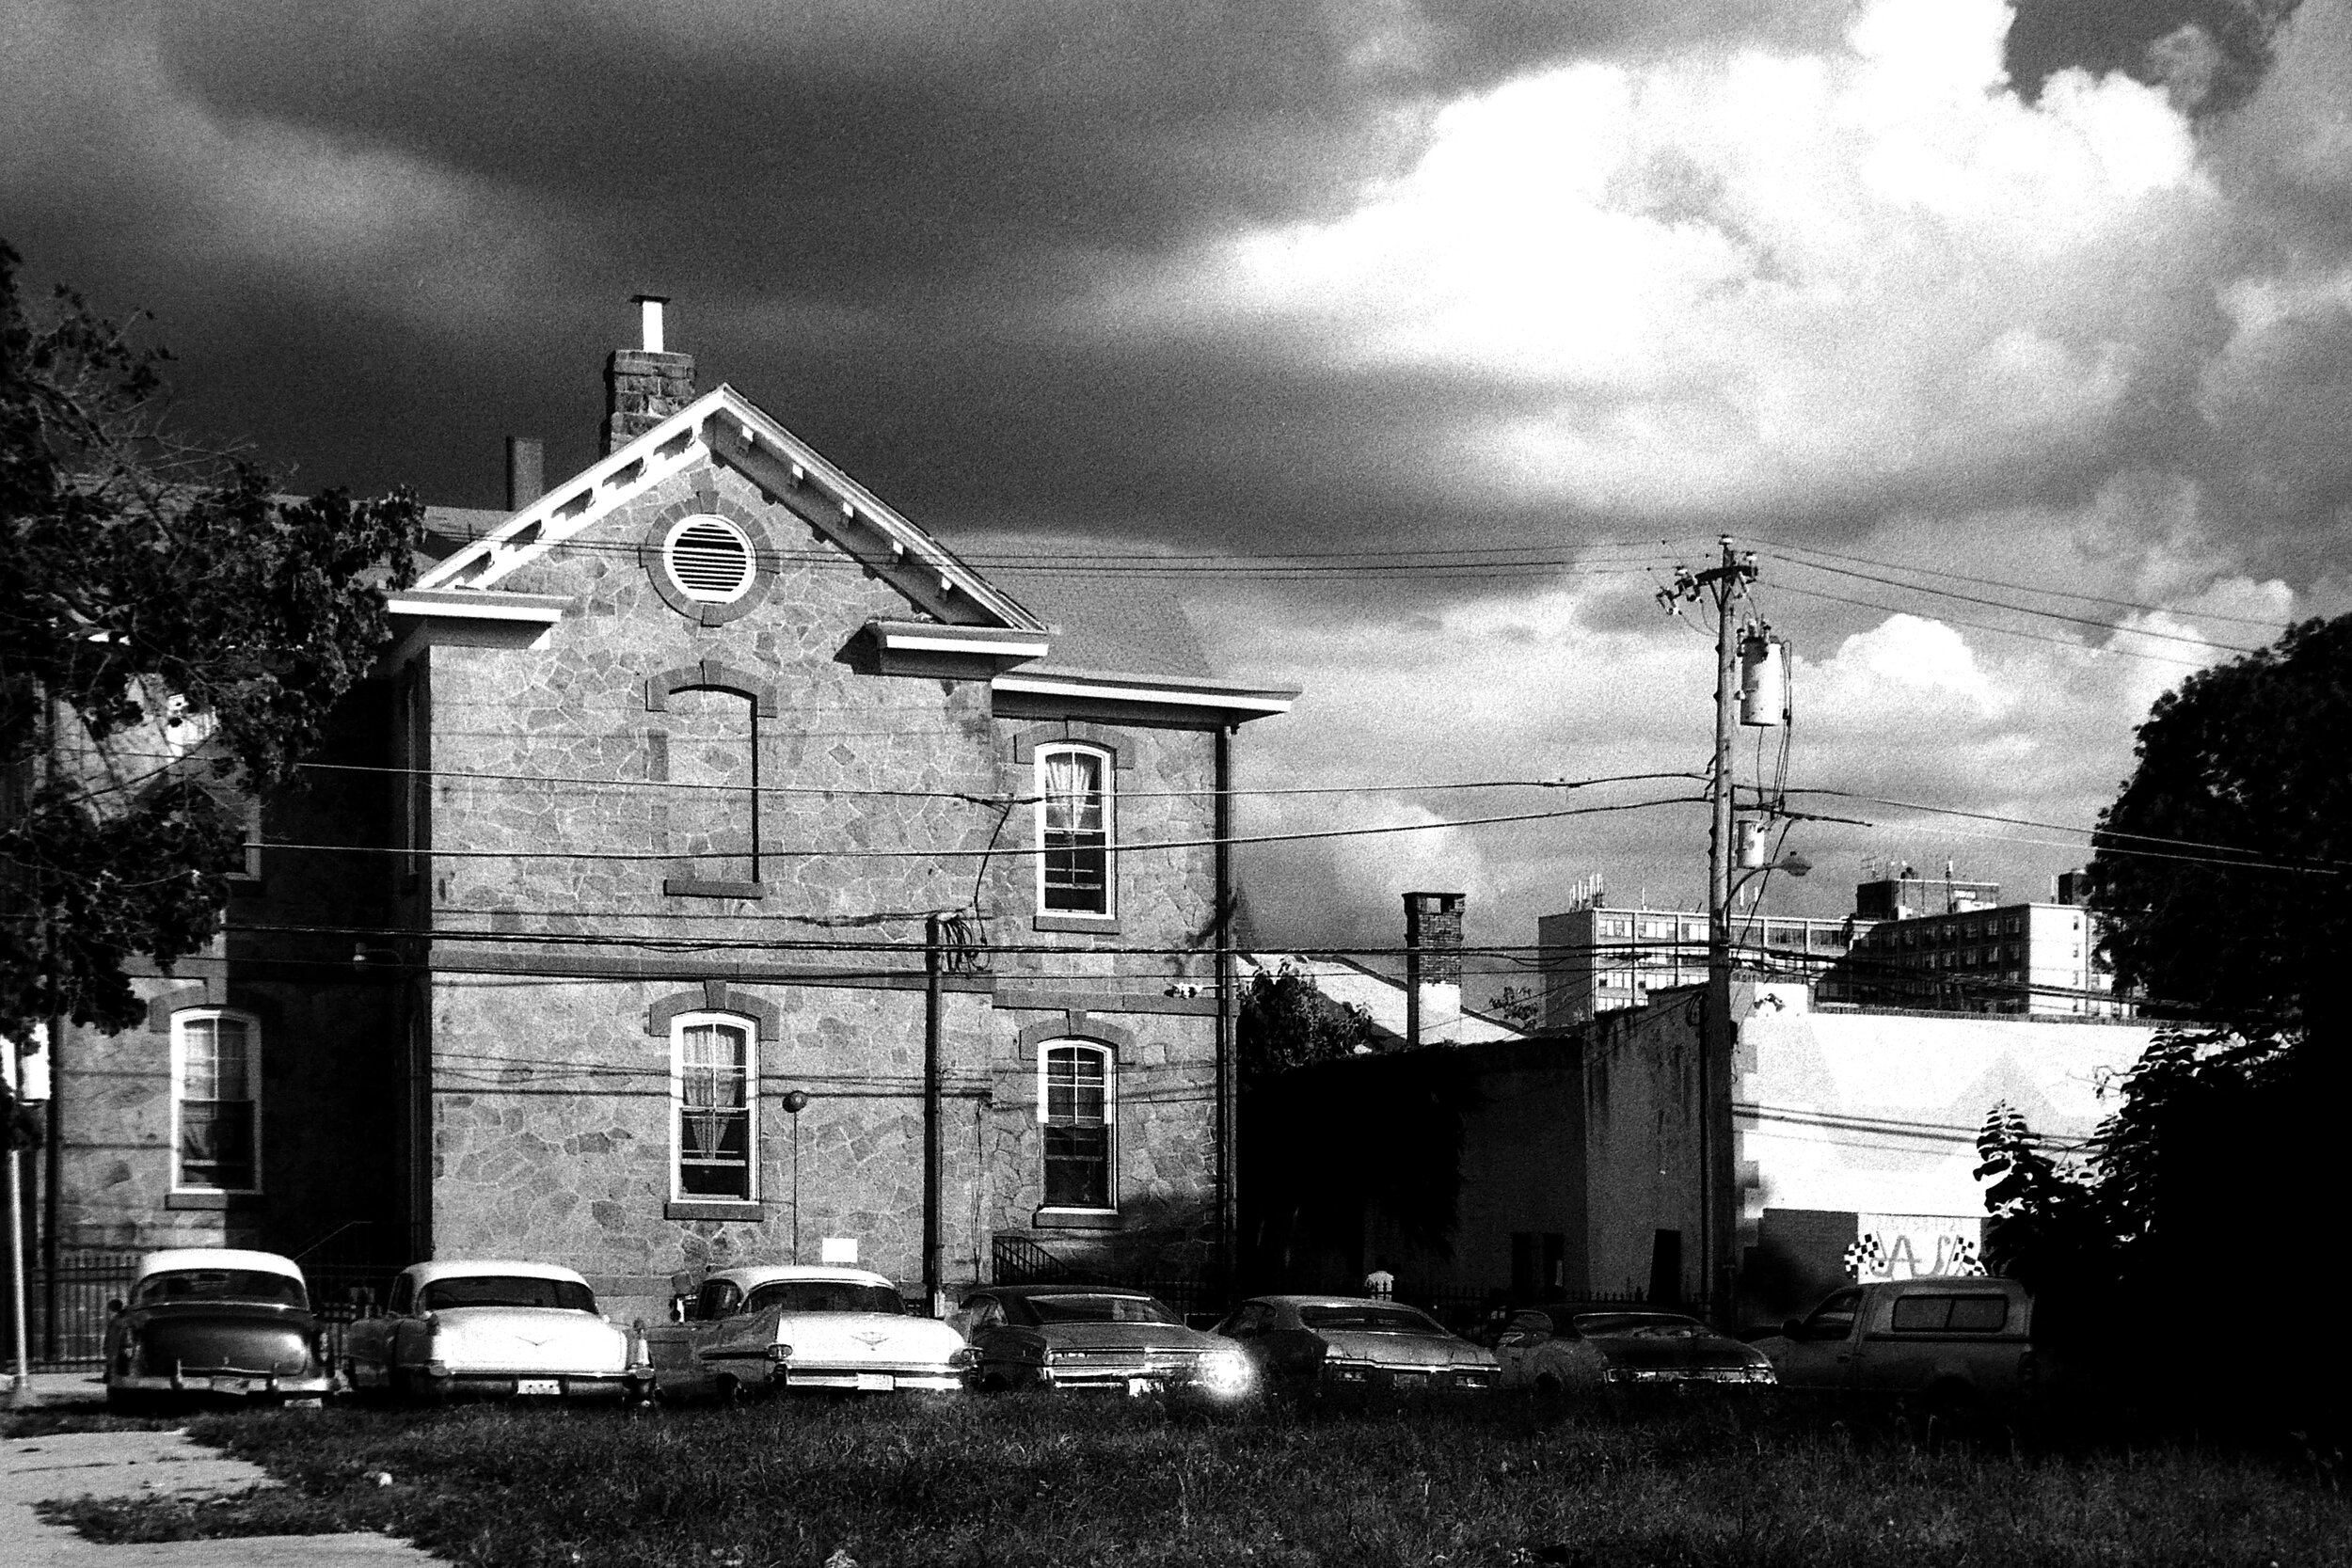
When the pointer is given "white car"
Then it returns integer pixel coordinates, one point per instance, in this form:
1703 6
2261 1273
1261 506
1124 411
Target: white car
802 1326
495 1328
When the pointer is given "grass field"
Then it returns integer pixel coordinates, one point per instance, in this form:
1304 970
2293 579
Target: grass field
1039 1479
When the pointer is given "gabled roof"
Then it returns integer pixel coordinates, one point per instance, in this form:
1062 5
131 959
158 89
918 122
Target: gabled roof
1382 998
725 426
1110 644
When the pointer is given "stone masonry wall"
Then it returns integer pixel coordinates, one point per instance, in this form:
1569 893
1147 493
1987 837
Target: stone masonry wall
551 1102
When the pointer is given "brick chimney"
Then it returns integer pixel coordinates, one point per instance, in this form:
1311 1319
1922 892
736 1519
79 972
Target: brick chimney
645 386
1433 968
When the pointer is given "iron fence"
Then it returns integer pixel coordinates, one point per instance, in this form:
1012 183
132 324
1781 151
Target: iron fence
75 1340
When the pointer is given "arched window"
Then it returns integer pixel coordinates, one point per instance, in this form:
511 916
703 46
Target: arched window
714 1107
1074 831
215 1101
1077 1094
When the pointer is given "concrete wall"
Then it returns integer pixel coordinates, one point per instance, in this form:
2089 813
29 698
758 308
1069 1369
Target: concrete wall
1641 1141
1873 1116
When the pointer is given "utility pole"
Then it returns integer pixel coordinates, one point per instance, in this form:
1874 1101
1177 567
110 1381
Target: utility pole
1724 584
933 1285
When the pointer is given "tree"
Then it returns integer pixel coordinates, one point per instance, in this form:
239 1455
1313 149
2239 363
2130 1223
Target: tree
2220 870
153 594
1287 1023
1520 1006
2221 880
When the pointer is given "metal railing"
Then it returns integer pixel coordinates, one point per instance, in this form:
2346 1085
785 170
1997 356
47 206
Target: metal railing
86 1282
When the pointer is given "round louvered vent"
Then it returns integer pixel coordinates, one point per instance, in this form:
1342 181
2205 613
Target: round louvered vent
709 559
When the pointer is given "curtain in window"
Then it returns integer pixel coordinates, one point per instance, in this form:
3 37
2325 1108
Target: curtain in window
216 1105
1077 1129
714 1112
1076 833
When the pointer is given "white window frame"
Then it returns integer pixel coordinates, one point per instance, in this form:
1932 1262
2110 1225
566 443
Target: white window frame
1108 762
749 1029
179 1021
1110 1060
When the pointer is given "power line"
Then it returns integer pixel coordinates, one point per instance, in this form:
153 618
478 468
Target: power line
2004 631
2269 623
2022 610
1126 847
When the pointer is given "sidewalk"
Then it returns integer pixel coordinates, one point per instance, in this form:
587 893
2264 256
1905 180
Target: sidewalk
148 1463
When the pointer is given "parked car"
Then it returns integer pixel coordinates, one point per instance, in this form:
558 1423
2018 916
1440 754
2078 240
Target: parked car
1952 1340
216 1321
802 1326
1335 1343
1558 1350
494 1328
1094 1337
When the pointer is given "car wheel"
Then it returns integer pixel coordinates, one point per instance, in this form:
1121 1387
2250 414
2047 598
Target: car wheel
1550 1391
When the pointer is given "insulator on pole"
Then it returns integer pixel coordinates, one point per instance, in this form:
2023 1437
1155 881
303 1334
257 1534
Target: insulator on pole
1763 681
1751 835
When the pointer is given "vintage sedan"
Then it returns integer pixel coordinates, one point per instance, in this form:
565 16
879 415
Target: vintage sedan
801 1326
216 1321
1561 1351
497 1329
1338 1344
1096 1336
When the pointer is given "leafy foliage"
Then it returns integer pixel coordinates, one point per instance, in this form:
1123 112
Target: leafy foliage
2253 757
1522 1007
140 573
2220 879
1285 1021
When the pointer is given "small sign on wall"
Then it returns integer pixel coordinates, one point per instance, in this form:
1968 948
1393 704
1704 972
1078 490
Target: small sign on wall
837 1249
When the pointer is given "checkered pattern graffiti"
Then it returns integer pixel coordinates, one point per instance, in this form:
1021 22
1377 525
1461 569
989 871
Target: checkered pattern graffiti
1866 1257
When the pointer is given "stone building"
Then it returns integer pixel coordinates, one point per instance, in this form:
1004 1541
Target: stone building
717 868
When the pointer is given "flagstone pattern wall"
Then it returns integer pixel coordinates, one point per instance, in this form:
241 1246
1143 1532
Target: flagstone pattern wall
551 1103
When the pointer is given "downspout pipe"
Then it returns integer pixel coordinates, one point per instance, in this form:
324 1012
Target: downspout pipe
933 1285
1228 1216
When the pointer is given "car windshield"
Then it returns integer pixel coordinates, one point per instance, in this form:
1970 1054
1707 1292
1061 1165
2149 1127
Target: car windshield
1099 1309
1369 1318
505 1289
826 1296
278 1289
1647 1325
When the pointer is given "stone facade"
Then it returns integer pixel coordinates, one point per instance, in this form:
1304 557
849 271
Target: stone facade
643 807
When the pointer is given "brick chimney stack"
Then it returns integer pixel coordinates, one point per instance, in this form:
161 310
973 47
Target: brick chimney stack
645 386
1433 968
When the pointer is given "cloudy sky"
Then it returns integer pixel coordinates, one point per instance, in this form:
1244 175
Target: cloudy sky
2016 341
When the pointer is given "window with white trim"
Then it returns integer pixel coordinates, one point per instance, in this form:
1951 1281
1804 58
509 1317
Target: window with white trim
1073 829
216 1101
1077 1095
714 1107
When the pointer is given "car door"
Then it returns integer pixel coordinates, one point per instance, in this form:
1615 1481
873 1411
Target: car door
1516 1350
1821 1353
368 1341
987 1332
675 1349
1247 1327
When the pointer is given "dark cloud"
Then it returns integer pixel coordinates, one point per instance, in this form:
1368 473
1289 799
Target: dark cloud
2212 54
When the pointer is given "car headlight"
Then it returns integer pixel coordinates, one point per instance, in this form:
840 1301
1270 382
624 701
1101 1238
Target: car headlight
1226 1372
